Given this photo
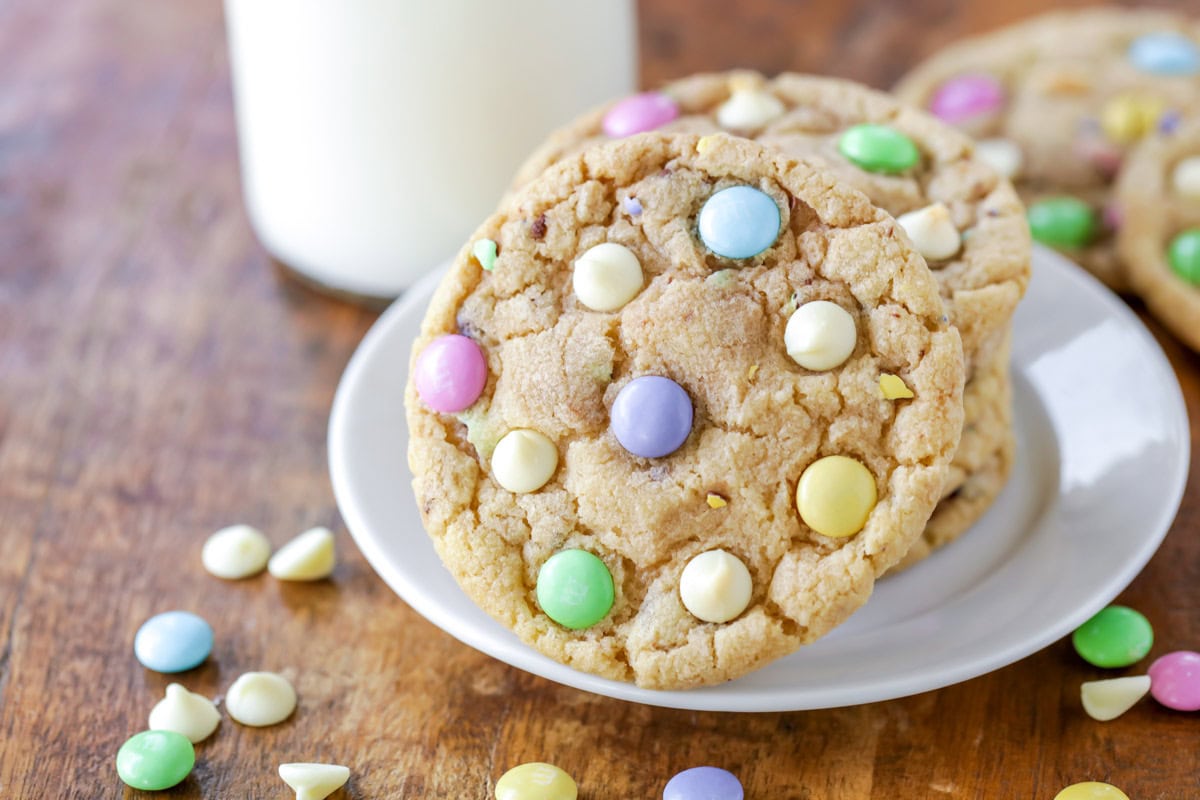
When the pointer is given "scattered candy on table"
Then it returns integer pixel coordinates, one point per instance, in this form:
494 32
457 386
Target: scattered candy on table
524 461
1166 53
238 551
639 113
1183 256
155 760
715 586
314 781
1091 790
835 496
187 713
1116 636
1175 680
820 335
739 222
965 97
1108 699
259 699
893 387
748 109
536 781
575 589
878 148
1002 155
484 251
703 783
606 277
932 231
174 641
450 373
1062 222
1185 178
308 557
652 416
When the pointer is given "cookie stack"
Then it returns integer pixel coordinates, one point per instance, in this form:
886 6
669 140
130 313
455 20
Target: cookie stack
699 382
1092 114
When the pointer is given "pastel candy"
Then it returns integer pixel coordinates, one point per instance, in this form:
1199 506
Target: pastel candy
639 113
652 416
878 148
187 713
835 496
820 335
450 373
967 96
932 231
524 461
1002 155
715 586
314 781
704 783
1062 222
1129 116
174 641
155 760
606 277
259 699
575 589
1183 256
1116 636
1091 790
1185 178
1175 680
1106 700
1166 53
536 781
237 551
739 222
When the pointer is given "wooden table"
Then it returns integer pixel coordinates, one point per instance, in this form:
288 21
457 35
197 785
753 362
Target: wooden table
158 380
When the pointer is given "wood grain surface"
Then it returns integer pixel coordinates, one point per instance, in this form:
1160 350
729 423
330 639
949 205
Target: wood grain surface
159 379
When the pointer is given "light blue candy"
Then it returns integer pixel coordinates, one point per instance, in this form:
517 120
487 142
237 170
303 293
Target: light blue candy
1166 53
739 222
173 641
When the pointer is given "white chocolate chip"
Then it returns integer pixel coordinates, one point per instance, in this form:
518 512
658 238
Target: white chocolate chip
748 110
1002 155
308 557
524 461
1109 699
715 586
314 781
820 335
932 231
238 551
186 713
607 277
259 699
1185 178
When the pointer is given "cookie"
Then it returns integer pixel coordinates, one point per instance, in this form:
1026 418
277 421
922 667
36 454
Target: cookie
977 245
685 501
1159 195
1058 100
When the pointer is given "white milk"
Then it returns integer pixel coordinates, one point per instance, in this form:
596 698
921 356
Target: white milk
375 135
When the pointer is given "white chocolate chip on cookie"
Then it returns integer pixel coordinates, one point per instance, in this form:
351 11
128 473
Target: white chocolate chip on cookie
607 277
932 231
715 586
524 461
820 335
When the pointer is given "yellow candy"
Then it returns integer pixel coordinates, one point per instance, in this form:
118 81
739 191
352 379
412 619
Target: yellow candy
536 781
1091 790
893 387
835 496
1128 117
705 142
715 501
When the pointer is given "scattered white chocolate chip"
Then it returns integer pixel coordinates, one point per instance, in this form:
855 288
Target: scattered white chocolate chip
1185 178
238 551
820 335
932 231
184 712
259 699
893 387
1002 155
607 277
524 461
308 557
748 110
1109 699
715 586
314 781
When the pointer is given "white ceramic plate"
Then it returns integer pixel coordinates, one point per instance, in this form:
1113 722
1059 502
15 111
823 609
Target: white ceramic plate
1104 454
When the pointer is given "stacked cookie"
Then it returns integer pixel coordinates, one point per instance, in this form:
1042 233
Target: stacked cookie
1084 110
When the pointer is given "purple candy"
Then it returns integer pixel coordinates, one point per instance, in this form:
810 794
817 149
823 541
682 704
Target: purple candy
450 374
652 416
704 783
1175 680
959 99
639 113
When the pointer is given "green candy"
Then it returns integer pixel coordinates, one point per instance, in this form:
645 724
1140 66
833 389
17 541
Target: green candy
1184 256
1062 222
878 148
485 253
154 760
1116 637
575 589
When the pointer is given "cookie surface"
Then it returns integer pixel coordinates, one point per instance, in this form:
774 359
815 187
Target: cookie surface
1159 193
1066 95
715 327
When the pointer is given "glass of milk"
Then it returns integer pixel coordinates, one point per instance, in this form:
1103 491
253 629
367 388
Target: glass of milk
375 135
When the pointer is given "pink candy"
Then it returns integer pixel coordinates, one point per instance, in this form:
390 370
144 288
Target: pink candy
639 113
959 99
1175 680
450 374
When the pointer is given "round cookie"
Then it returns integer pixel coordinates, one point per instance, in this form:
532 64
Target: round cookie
1061 98
714 327
838 121
1159 193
